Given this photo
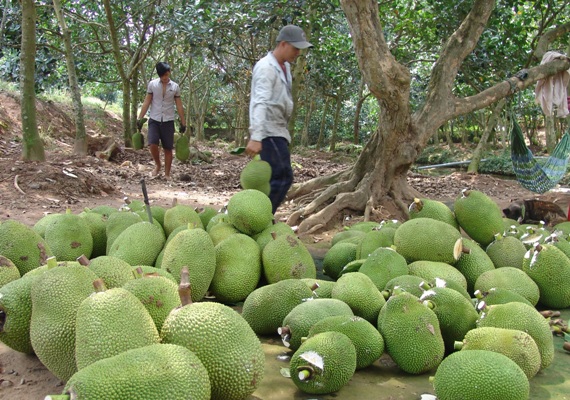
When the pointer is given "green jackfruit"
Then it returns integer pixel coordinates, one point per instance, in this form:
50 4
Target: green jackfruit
182 148
411 333
194 249
56 296
324 288
138 244
287 257
364 336
549 268
519 346
473 262
506 251
324 363
266 235
158 371
117 223
383 265
158 294
337 257
297 323
429 270
69 237
520 316
427 208
109 322
361 294
112 270
40 225
250 211
265 308
98 226
222 231
428 239
256 175
23 246
511 278
224 342
407 283
180 215
499 296
238 268
8 271
16 314
479 216
480 375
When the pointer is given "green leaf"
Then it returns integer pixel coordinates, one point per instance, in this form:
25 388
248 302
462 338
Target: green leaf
237 150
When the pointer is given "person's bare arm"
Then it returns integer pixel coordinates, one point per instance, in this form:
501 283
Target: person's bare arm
145 105
180 110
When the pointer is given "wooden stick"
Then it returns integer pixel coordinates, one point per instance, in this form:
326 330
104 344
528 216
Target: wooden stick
18 187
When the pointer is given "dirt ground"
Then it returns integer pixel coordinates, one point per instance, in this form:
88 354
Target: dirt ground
30 190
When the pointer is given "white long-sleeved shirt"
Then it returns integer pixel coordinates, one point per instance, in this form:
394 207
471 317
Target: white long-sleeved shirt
162 108
271 101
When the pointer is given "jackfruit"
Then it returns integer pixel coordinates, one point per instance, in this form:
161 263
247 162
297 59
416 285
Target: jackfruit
8 271
347 234
256 175
112 270
411 333
182 148
69 237
158 294
323 290
428 239
206 214
428 208
549 268
103 209
520 316
16 313
223 341
23 246
511 278
221 217
361 294
266 235
324 363
138 244
265 308
117 223
297 323
137 140
383 265
109 322
250 211
364 336
373 240
40 225
180 215
149 270
480 375
238 268
407 283
455 313
519 346
98 226
158 371
479 216
499 296
194 249
506 251
287 257
473 262
222 231
337 257
429 270
56 296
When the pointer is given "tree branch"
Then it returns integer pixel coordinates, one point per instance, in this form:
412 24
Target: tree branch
503 88
549 37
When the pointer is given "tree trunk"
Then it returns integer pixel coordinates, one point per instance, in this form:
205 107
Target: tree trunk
379 177
134 99
491 124
3 22
550 132
80 147
356 124
305 132
33 147
321 137
335 125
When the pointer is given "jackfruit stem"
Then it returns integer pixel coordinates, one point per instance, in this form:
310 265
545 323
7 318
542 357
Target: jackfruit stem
184 289
83 260
315 286
138 273
174 202
57 397
424 285
2 320
305 372
550 313
99 285
457 345
51 262
274 235
566 346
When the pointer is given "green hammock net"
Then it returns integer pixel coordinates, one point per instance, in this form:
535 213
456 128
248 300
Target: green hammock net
530 173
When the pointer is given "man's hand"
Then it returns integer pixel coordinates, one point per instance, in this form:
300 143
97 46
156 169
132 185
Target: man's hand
140 123
253 147
182 129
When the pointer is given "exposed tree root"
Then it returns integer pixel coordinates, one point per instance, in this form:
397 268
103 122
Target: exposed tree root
301 189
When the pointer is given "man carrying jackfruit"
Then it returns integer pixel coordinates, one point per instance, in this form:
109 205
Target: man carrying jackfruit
270 108
162 95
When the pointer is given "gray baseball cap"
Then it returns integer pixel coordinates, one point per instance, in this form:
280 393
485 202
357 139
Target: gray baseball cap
294 35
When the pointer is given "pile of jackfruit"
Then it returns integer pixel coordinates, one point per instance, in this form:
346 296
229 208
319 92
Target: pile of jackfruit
150 302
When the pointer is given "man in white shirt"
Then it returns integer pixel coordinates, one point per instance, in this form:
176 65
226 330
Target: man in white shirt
270 108
162 95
